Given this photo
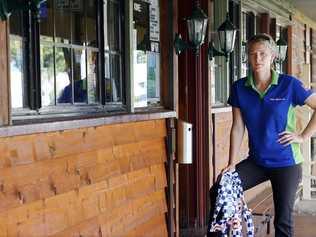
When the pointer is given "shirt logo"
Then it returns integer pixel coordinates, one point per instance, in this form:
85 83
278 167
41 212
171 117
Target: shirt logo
277 99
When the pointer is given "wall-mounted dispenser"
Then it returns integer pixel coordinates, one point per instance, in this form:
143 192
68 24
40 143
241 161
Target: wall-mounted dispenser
184 142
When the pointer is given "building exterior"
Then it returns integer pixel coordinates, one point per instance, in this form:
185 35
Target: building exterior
90 95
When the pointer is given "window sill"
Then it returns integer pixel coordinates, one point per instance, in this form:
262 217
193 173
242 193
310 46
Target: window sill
40 125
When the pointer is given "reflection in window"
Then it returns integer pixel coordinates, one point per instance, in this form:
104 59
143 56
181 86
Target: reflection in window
68 80
113 54
16 72
47 74
63 75
92 76
17 65
79 75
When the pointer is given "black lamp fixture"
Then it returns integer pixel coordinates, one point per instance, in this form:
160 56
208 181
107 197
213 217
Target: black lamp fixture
197 24
282 49
227 35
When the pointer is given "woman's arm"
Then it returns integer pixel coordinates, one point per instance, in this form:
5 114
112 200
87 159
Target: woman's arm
236 135
287 137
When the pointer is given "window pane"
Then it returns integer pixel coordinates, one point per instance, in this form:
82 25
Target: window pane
63 75
79 75
16 72
17 63
113 26
113 84
140 78
78 23
92 23
108 88
62 21
47 75
47 21
92 76
153 77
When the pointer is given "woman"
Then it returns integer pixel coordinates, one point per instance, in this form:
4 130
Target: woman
263 102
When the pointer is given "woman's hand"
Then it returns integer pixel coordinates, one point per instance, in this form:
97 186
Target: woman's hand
230 167
286 138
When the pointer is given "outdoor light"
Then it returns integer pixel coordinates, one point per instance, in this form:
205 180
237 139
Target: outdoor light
196 24
227 34
9 6
282 48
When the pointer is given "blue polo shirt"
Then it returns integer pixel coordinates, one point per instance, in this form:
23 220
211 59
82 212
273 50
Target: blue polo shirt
269 113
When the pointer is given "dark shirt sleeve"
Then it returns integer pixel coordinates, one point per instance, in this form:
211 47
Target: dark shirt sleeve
233 99
300 93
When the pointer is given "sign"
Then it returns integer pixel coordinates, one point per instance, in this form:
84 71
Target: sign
154 23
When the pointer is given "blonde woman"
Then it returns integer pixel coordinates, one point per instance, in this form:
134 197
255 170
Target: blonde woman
264 102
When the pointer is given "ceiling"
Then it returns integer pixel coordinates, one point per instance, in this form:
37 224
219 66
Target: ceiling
308 7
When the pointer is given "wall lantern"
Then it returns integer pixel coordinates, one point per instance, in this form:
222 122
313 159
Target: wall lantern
282 49
196 24
227 35
9 6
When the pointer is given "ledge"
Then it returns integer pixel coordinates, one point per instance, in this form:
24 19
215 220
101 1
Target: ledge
27 129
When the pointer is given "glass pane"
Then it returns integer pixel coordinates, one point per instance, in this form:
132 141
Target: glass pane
92 23
79 75
63 75
92 76
47 75
16 72
153 78
108 88
63 21
17 64
140 78
115 79
78 22
113 26
47 21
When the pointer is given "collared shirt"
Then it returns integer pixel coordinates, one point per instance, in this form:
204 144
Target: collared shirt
268 113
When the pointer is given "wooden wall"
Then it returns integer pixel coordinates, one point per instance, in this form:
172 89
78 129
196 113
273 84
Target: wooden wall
99 181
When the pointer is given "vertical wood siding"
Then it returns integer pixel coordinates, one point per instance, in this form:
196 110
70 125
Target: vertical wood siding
98 181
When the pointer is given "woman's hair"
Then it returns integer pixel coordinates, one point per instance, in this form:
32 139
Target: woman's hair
265 39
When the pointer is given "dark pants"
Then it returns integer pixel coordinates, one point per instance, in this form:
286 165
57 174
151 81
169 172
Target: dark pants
284 183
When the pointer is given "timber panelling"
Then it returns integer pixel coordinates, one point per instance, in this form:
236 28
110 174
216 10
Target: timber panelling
101 181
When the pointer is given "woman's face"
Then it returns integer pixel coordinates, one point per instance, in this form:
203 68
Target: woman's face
260 57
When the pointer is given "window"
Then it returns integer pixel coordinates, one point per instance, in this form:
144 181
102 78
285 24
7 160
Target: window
247 31
225 74
281 32
146 53
72 59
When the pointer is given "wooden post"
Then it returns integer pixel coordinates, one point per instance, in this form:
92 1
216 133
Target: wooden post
4 72
171 146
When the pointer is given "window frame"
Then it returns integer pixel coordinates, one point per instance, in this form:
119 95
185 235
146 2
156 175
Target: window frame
34 108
